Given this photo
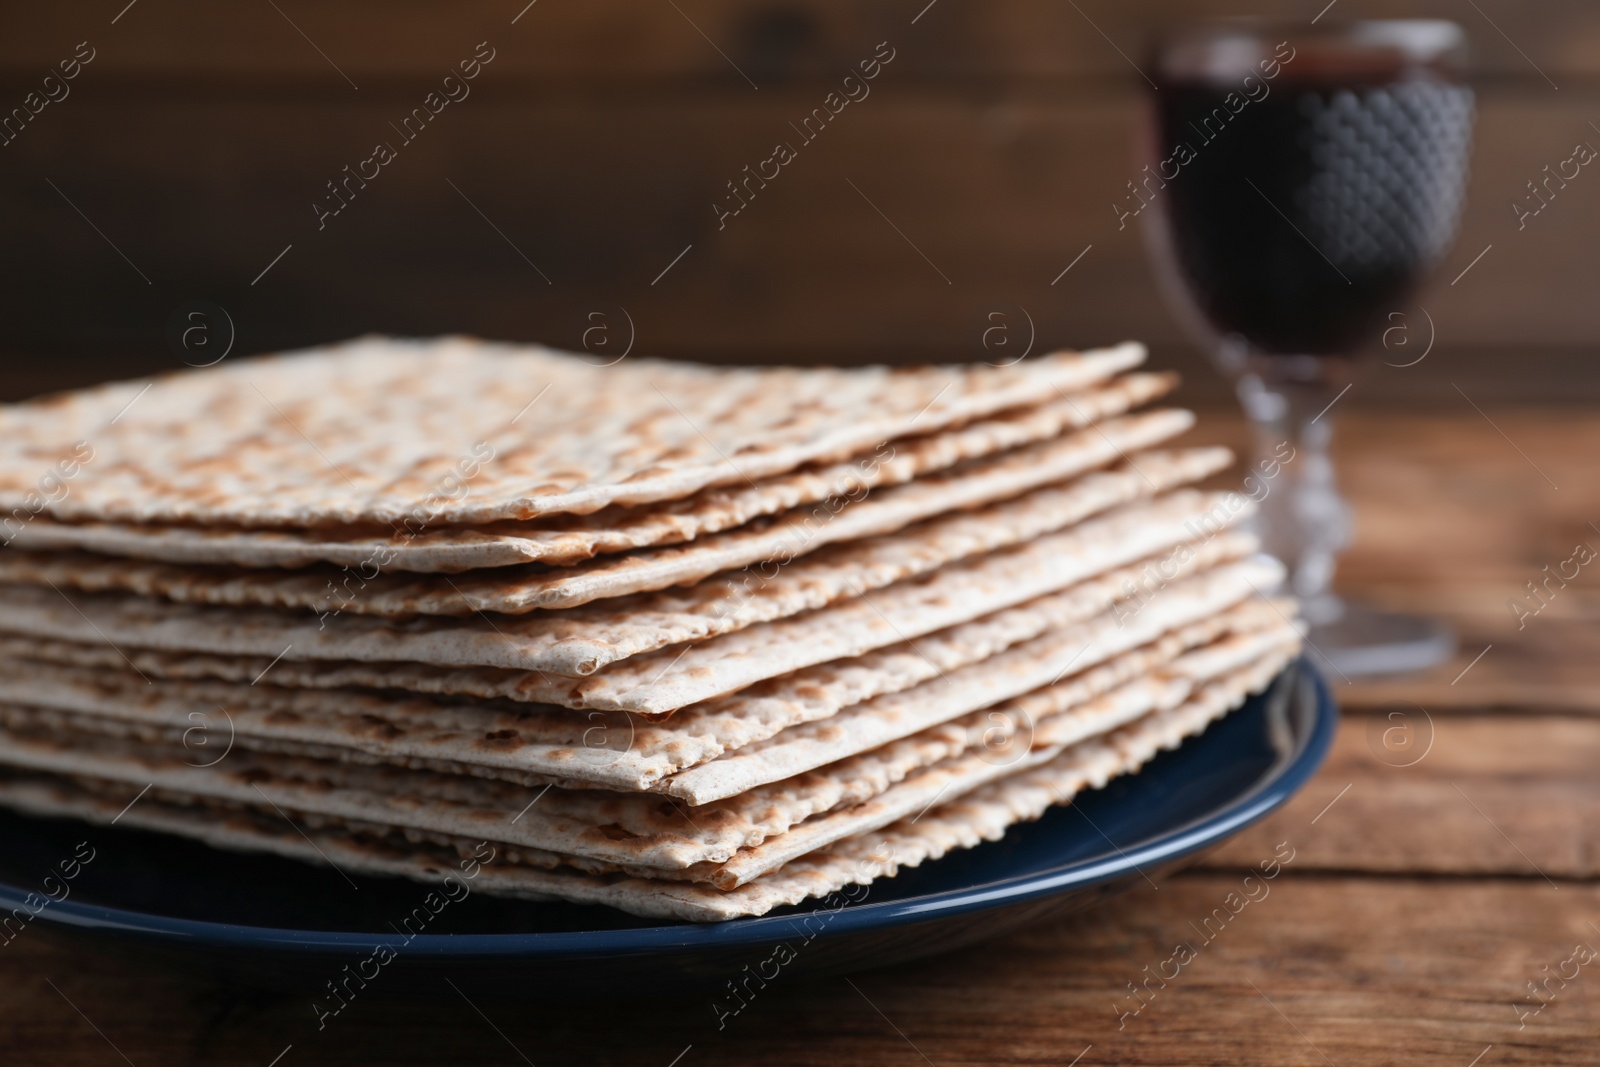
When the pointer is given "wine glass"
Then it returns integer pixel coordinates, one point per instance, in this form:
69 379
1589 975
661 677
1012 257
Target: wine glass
1301 183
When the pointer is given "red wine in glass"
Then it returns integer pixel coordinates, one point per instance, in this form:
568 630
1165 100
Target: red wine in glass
1301 183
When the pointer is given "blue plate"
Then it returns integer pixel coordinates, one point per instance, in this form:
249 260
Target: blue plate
269 922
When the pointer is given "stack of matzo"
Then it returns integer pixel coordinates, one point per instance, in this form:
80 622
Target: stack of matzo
692 642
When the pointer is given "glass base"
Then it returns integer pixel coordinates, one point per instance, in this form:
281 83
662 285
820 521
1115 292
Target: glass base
1363 642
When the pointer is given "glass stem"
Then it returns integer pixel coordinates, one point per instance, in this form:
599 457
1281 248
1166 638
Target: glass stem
1302 520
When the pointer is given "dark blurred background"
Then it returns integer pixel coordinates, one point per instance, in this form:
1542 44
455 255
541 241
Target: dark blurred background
187 155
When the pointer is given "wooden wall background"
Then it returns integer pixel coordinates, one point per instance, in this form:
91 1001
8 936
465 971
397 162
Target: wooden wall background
602 132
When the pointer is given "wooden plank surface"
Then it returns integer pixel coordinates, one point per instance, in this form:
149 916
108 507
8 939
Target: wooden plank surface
625 42
1456 511
597 141
1000 198
1410 792
1357 970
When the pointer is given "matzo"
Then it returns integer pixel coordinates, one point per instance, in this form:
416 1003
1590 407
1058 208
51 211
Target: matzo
983 814
955 593
579 641
663 681
417 545
533 746
953 778
367 431
332 590
1020 669
629 832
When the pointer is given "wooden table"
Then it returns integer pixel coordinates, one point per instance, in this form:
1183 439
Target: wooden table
1420 903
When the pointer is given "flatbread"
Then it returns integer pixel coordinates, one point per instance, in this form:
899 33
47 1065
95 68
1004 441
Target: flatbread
630 832
957 777
200 741
415 545
518 590
1028 666
659 682
529 745
372 430
666 680
580 641
983 814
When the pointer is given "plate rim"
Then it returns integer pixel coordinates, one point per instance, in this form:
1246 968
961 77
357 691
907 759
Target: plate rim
1266 795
